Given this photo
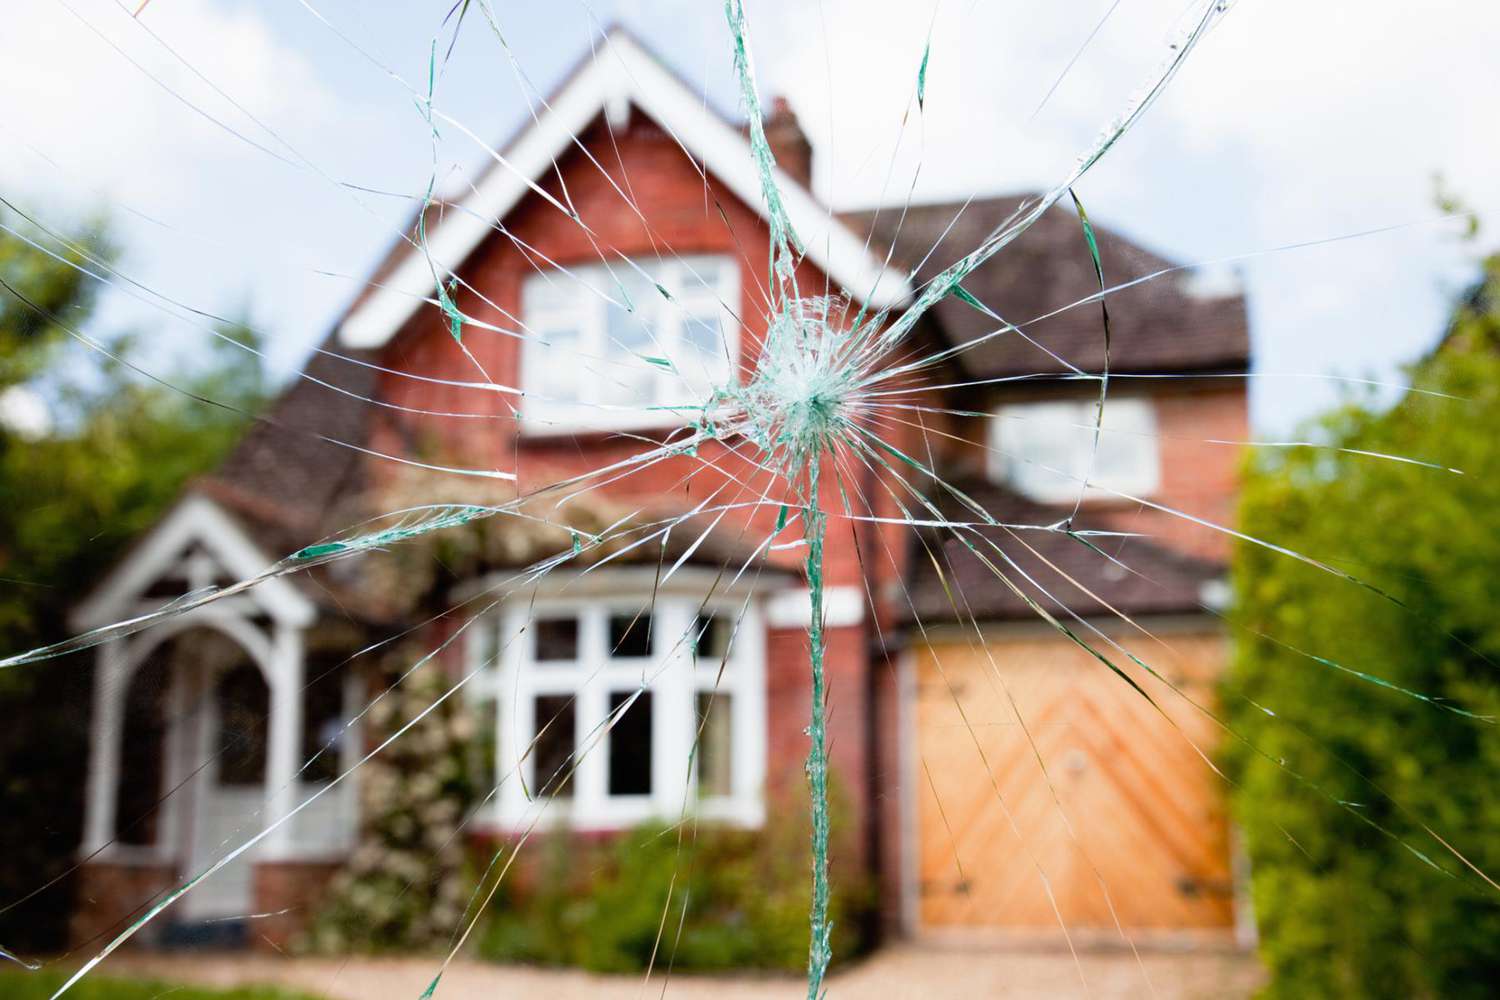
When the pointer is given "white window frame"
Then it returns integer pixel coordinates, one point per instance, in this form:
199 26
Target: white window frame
579 298
1129 427
514 679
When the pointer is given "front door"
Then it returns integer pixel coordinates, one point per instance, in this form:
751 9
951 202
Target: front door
229 804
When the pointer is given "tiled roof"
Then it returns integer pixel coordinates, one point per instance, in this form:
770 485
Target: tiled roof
283 479
1134 575
1158 326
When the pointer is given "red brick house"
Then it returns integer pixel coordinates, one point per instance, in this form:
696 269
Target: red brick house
624 181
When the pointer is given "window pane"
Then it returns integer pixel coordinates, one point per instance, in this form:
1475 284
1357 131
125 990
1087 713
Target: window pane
556 639
627 379
552 768
485 637
703 339
483 745
630 745
553 356
715 774
630 635
138 794
630 334
322 718
1127 456
712 634
702 357
243 703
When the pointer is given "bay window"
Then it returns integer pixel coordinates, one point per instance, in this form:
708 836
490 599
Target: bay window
616 710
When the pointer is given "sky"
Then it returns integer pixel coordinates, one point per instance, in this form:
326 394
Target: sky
255 158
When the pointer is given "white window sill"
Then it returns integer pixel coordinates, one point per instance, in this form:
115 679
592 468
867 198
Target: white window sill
542 426
626 815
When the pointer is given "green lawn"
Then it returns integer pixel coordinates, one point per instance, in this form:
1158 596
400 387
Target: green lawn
16 984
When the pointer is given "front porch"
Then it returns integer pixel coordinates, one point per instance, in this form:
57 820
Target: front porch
215 744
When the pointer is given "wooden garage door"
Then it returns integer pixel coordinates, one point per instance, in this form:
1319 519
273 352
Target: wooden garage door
1143 807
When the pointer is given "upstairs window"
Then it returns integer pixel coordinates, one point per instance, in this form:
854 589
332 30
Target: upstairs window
630 344
1045 450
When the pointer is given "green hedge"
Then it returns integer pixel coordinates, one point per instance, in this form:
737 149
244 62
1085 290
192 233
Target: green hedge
600 905
1344 909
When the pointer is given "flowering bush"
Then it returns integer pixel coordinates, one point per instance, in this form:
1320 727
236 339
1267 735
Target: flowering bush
406 884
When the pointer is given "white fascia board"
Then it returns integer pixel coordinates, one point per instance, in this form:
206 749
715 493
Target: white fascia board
622 72
195 518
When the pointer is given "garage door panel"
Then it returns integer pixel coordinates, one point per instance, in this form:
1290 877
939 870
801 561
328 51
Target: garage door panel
1129 802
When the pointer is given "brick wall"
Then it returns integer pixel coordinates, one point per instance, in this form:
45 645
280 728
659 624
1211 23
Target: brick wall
110 895
1198 425
1197 477
289 891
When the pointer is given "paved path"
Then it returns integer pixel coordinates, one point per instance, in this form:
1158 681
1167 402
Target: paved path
906 972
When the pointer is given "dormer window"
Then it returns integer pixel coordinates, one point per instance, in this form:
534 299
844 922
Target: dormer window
628 345
1045 450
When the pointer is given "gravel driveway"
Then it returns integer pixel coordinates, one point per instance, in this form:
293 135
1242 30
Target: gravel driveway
904 972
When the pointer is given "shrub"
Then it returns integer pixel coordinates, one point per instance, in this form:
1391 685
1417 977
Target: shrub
601 905
406 884
1344 909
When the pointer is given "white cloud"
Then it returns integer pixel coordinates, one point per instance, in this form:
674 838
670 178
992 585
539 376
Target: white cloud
68 89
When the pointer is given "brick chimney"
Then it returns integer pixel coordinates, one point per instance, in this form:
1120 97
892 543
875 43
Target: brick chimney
789 143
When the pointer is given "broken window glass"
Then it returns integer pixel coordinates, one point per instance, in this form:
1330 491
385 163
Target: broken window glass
636 446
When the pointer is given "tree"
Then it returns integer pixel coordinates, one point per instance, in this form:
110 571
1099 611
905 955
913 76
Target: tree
1346 907
119 449
58 292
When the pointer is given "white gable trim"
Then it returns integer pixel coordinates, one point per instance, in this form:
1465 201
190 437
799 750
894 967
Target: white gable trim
195 519
623 73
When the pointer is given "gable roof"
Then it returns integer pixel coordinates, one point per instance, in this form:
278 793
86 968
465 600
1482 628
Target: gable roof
195 521
1162 325
623 76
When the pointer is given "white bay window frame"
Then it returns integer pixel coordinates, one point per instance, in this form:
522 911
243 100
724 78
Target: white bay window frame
511 683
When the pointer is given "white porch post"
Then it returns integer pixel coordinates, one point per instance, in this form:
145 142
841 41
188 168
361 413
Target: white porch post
285 737
104 748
